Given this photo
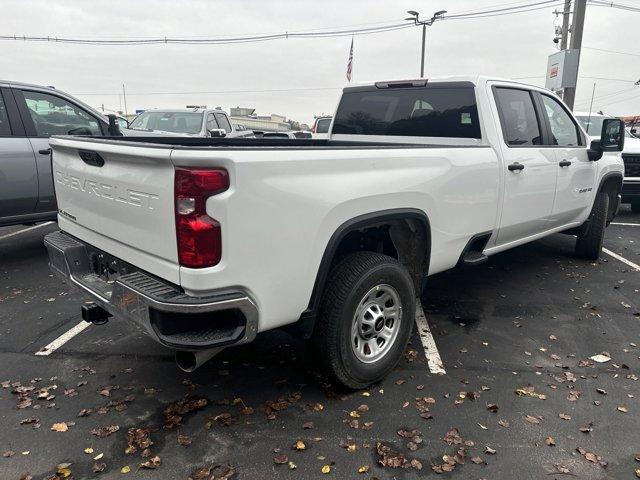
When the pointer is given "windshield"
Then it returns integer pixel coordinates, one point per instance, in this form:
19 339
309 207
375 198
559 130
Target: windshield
593 125
322 125
177 122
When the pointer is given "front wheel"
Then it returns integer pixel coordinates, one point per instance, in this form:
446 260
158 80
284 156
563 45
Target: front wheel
365 320
589 243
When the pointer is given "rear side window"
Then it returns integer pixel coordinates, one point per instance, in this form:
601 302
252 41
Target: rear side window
322 125
5 129
518 117
223 121
413 112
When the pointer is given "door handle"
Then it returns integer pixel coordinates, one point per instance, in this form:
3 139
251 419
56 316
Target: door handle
515 167
564 163
45 151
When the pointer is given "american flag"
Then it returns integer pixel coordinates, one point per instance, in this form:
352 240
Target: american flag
350 62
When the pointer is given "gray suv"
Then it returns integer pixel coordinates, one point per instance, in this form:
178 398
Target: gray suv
29 115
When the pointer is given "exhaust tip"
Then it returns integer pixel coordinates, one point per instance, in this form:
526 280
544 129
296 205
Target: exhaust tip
190 361
186 361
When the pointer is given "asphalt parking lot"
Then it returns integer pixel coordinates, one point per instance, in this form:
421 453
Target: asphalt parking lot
521 397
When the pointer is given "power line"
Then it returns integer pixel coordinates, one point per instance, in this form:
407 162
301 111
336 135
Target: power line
266 90
621 6
612 51
318 33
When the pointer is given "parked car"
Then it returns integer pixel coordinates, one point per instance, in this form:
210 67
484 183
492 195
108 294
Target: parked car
208 241
321 127
243 130
630 155
291 134
29 115
193 122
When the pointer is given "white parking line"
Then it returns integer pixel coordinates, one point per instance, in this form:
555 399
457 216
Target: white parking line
24 230
626 224
62 339
430 349
622 259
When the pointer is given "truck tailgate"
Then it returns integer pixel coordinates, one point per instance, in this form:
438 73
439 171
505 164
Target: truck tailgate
119 199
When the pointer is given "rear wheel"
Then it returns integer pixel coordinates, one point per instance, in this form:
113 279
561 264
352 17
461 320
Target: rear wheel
589 243
365 319
635 206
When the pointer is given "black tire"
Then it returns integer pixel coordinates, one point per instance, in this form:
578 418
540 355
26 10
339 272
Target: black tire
589 243
349 283
635 206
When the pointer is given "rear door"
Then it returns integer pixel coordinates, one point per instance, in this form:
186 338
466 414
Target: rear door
45 114
18 172
576 173
529 169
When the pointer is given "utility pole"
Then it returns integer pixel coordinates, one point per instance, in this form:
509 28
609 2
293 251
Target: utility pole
577 27
424 38
124 95
415 17
565 24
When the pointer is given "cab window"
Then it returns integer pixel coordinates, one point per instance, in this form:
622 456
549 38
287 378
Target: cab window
564 131
53 115
518 117
5 129
223 121
211 123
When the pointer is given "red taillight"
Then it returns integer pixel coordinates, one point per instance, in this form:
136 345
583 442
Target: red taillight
198 235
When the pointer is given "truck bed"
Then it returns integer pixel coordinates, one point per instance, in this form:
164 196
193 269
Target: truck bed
262 143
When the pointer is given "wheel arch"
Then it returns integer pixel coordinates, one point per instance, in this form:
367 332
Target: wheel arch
611 184
409 229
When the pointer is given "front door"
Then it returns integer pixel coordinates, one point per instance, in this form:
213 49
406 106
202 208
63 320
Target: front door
576 173
18 173
529 168
44 115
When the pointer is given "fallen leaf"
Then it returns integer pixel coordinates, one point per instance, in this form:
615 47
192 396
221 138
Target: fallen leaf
152 463
280 459
125 469
550 441
326 469
531 419
60 427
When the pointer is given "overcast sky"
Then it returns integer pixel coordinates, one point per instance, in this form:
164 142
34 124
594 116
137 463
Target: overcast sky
509 46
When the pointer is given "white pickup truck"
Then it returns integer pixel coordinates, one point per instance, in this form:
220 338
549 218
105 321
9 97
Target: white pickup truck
206 242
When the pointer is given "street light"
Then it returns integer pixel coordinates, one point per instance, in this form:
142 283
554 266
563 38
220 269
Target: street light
415 18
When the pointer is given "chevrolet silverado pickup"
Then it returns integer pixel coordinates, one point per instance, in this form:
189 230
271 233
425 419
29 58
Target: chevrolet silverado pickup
205 242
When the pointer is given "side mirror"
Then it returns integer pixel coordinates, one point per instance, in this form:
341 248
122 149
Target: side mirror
217 133
612 135
114 127
611 139
634 130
